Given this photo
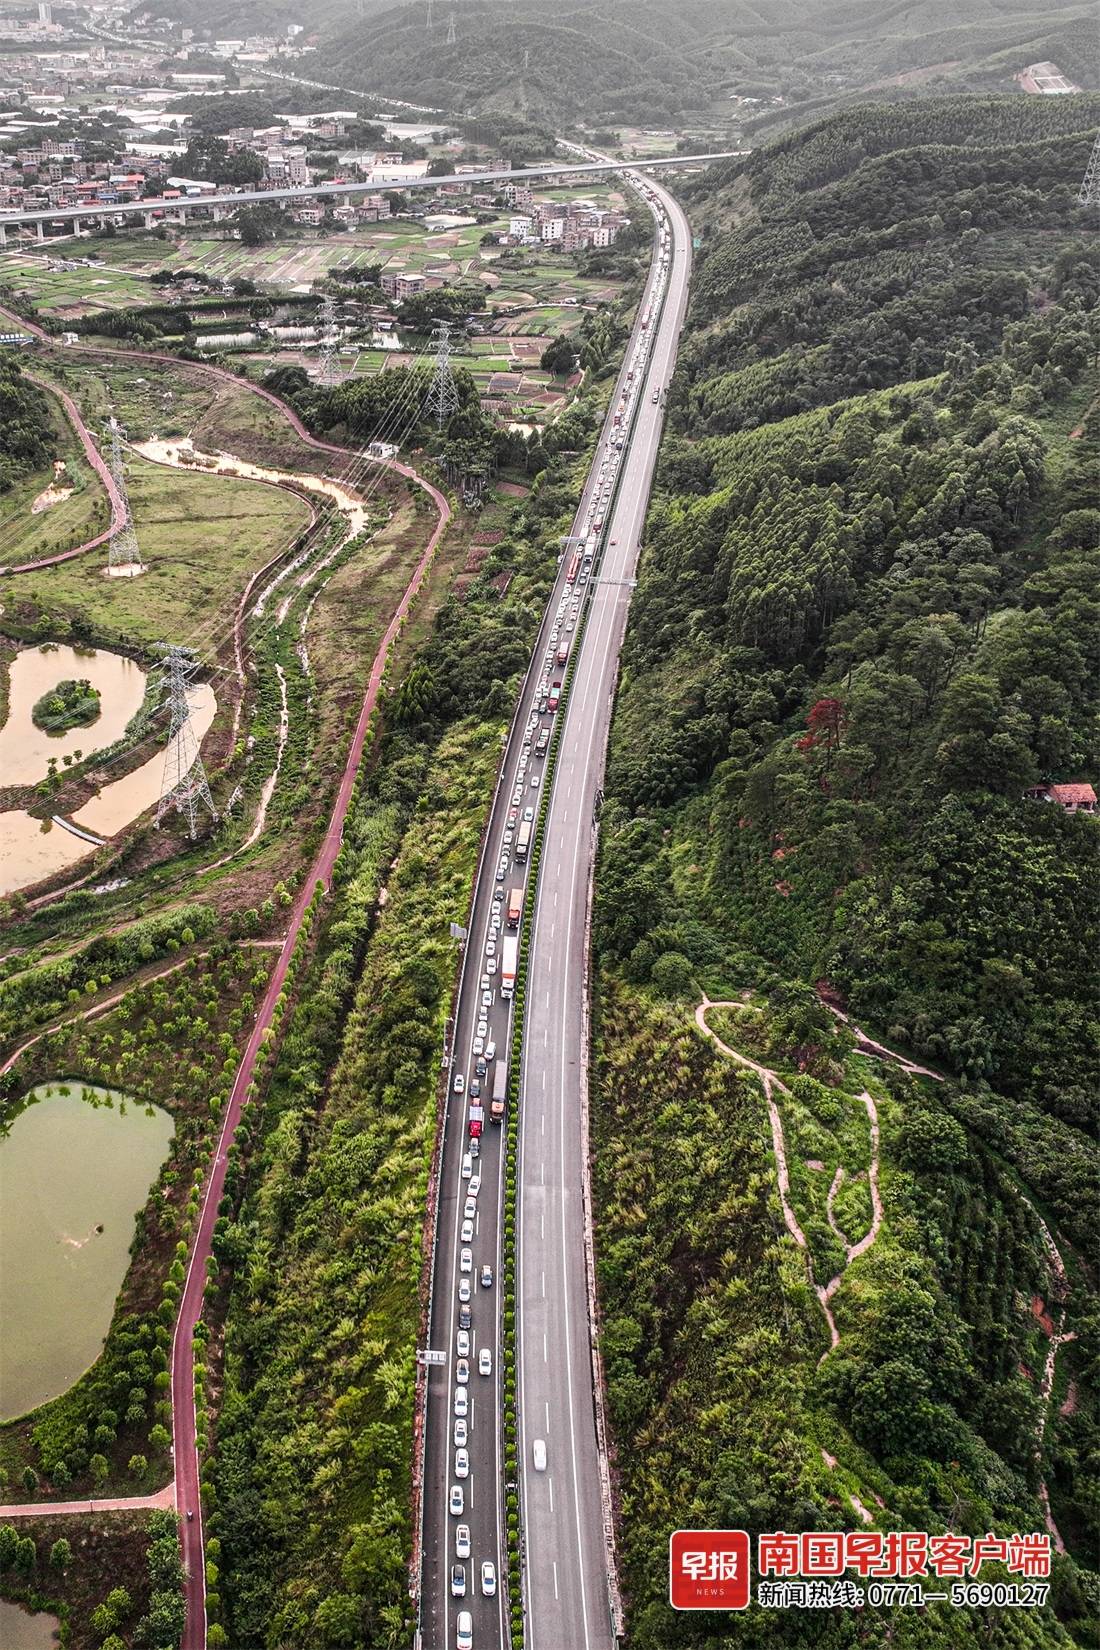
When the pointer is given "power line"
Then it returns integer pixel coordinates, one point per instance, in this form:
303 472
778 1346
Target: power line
123 555
1089 192
185 784
442 397
328 371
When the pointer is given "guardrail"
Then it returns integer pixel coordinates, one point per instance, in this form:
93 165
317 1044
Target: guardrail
511 1418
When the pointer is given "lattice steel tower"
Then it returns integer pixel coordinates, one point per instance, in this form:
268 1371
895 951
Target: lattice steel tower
328 371
442 398
1089 192
123 555
451 35
185 784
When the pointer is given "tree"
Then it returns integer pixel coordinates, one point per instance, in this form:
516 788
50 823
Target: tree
559 357
61 1554
99 1467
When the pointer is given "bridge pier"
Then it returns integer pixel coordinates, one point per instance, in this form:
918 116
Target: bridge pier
40 230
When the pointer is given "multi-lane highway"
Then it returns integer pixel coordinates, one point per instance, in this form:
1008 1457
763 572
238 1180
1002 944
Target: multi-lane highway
566 1596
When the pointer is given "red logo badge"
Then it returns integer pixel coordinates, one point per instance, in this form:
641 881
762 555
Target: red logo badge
709 1570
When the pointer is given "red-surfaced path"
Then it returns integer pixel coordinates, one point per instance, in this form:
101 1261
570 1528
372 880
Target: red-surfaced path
183 1363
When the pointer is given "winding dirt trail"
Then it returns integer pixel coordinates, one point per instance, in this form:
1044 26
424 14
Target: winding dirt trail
95 459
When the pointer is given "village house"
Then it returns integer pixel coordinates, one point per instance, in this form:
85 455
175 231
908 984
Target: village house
1072 799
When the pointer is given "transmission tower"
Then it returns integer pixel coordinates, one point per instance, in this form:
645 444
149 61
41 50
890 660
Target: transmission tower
451 36
123 556
1089 192
526 58
328 371
442 398
185 783
429 15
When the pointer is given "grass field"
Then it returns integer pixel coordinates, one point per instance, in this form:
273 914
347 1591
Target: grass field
202 536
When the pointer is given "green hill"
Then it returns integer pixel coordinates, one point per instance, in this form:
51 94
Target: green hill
866 623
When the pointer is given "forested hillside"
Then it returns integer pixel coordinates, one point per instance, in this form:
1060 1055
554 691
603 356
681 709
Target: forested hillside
867 622
646 62
26 433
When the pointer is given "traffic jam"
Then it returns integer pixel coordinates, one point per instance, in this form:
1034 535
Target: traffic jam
481 1086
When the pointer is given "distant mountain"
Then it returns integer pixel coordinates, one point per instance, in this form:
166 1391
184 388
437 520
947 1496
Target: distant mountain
642 61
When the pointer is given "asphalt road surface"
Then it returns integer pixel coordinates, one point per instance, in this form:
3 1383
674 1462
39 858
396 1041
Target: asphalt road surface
566 1570
566 1565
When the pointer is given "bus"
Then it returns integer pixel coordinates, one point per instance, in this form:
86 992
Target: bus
574 568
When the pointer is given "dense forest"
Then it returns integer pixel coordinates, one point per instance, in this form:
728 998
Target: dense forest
26 430
866 625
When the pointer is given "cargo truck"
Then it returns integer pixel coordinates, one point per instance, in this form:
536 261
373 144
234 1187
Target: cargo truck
509 957
523 839
515 907
477 1121
500 1086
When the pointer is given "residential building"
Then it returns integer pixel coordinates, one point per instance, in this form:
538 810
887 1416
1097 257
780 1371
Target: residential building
1072 799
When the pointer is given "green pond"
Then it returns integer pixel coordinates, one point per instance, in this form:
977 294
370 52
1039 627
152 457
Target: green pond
76 1164
20 1631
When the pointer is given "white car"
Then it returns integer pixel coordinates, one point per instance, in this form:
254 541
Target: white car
517 796
534 781
464 1289
465 1261
462 1541
466 1235
459 1083
469 1208
462 1343
462 1463
458 1501
475 1185
488 1579
462 1402
538 1451
483 1029
462 1372
491 944
528 813
479 1045
485 1361
487 996
492 965
462 1433
464 1631
509 838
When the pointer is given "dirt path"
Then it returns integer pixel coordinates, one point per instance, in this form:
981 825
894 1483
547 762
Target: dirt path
779 1146
95 459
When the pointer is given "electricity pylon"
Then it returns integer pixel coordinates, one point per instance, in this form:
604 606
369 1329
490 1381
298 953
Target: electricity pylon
1089 192
185 783
328 371
451 36
123 555
442 398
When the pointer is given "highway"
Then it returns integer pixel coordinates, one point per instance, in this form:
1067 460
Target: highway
11 219
566 1571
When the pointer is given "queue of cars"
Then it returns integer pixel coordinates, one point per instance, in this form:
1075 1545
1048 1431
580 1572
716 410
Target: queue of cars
487 1073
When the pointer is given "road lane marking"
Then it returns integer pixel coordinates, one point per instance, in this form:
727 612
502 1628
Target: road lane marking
550 1486
555 1561
545 1349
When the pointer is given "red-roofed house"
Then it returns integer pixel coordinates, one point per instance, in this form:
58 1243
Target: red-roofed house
1074 799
